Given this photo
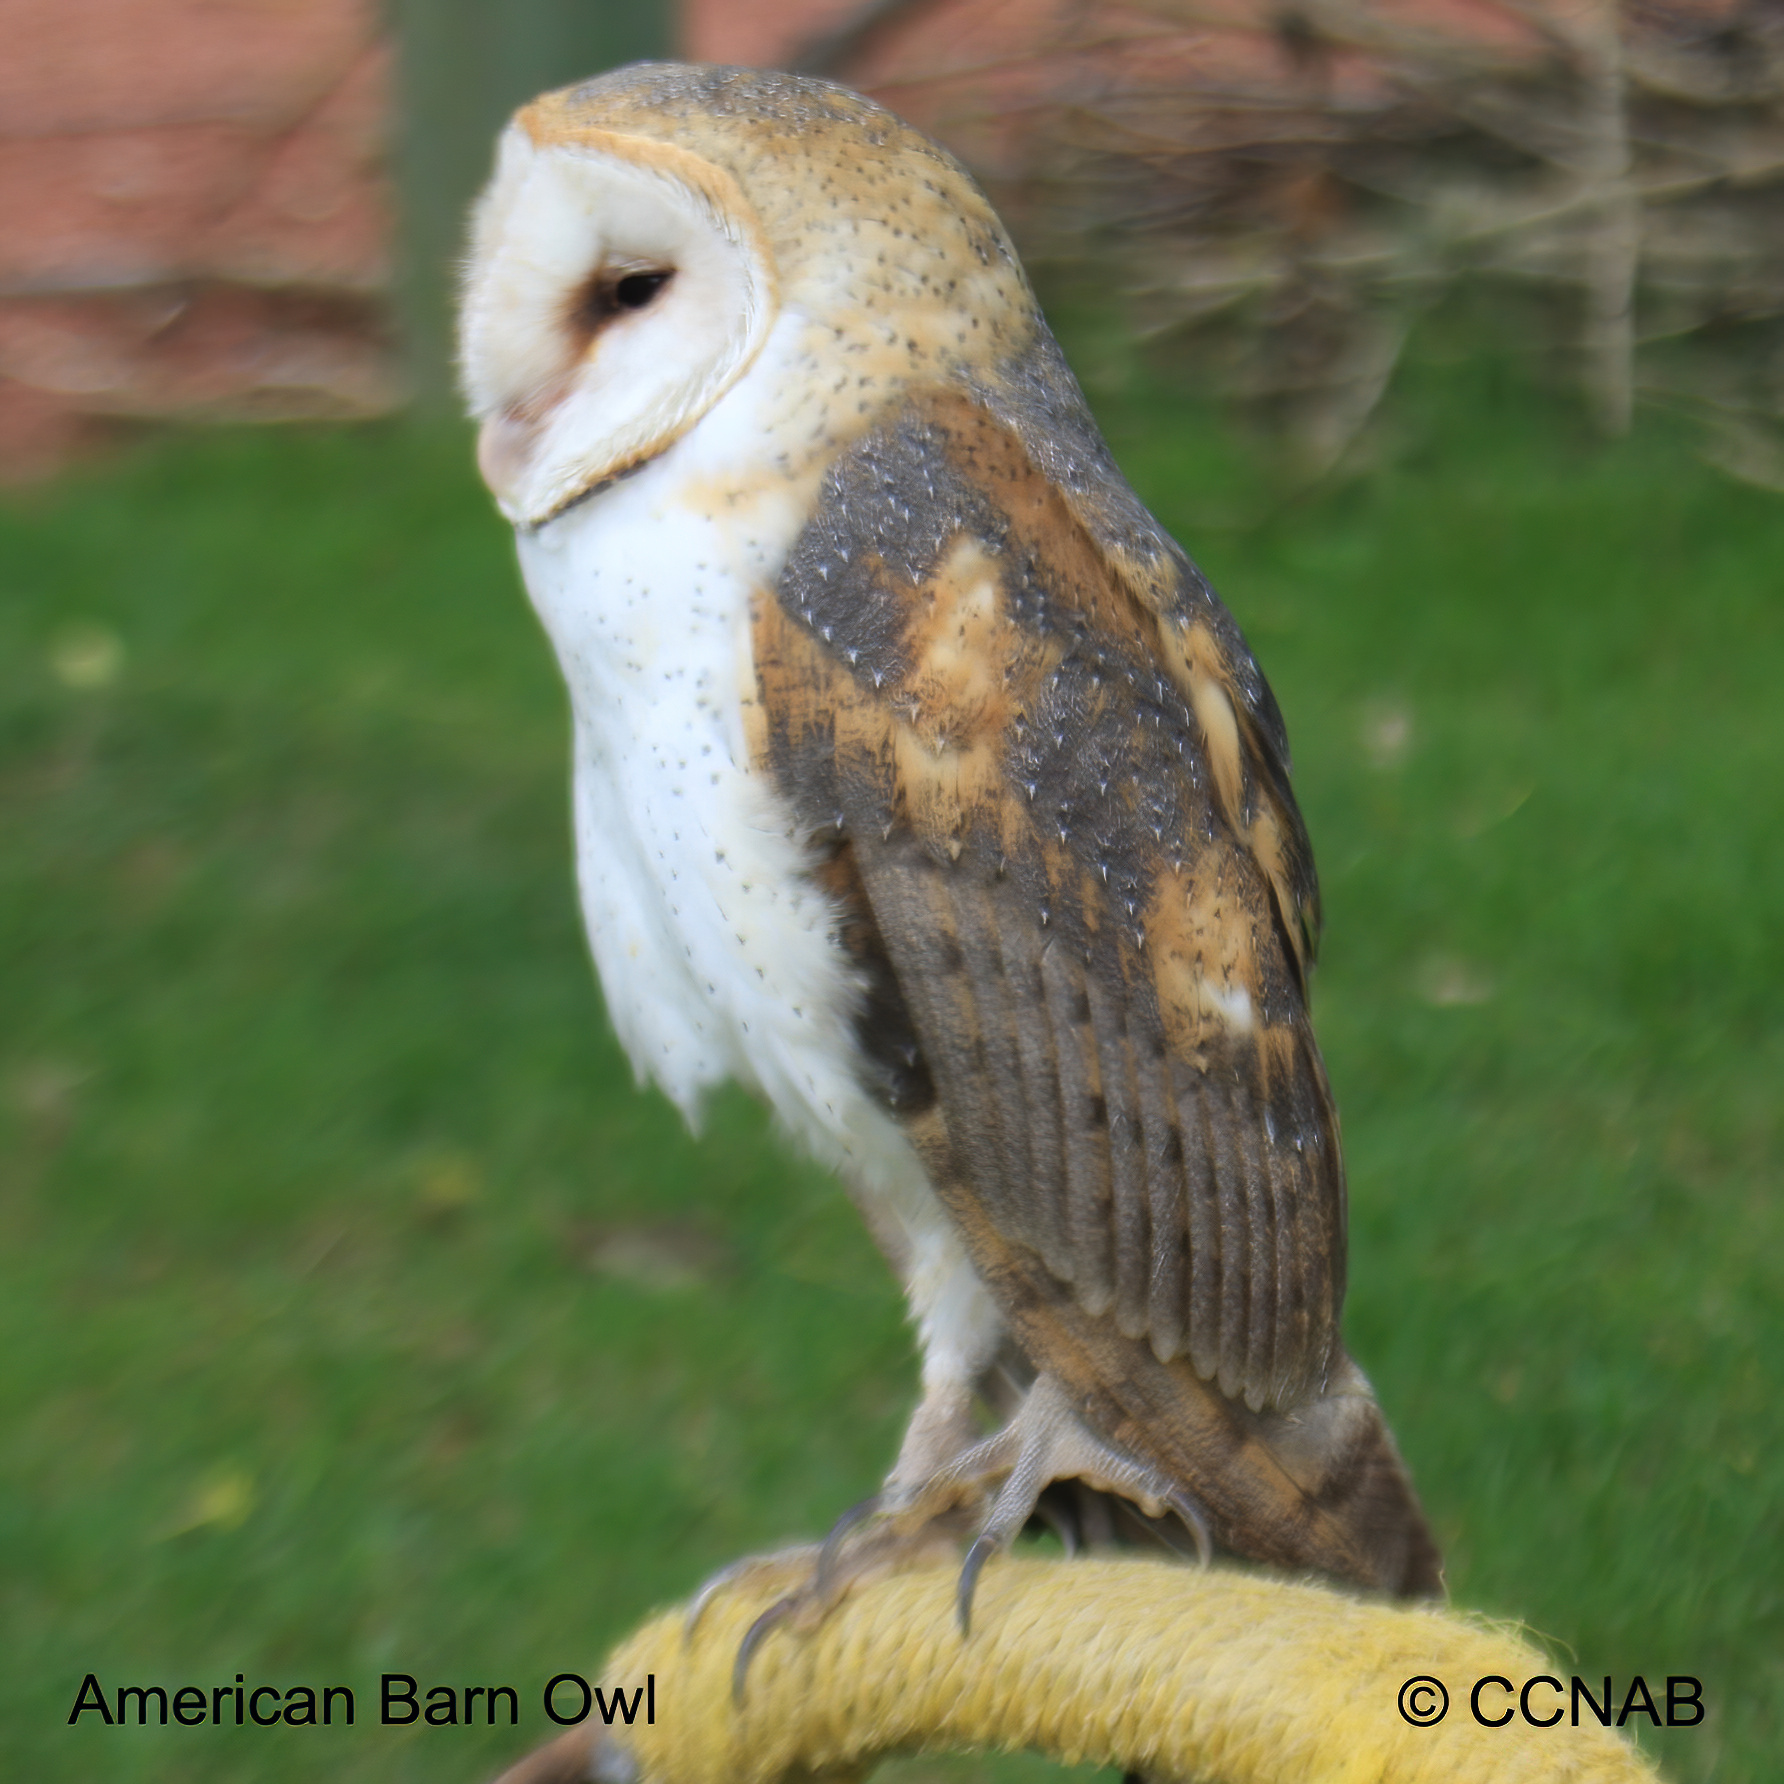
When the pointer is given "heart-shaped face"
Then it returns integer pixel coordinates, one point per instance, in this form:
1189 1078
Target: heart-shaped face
618 286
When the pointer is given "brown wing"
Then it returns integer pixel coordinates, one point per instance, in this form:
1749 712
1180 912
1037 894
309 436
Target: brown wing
1066 803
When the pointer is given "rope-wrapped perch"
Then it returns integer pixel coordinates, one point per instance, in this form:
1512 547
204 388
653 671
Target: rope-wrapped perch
1217 1676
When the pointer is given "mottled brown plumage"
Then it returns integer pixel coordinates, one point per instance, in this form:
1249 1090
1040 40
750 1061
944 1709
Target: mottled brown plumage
1057 805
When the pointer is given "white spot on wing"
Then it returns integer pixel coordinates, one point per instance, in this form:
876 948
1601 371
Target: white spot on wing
1231 1002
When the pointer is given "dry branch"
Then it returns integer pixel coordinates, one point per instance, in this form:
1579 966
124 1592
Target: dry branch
1308 179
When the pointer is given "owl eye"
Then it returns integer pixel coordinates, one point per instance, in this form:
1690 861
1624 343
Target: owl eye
606 296
635 290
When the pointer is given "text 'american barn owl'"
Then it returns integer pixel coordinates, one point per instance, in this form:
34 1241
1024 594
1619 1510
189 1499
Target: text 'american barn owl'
923 785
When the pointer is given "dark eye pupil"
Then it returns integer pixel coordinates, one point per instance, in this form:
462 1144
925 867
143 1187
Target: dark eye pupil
604 297
635 290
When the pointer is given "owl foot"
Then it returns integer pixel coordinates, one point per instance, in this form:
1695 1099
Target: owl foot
794 1566
864 1545
1045 1442
927 1512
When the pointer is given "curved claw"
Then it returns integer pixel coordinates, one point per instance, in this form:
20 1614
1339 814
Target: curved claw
776 1614
984 1547
730 1574
1191 1514
852 1519
690 1621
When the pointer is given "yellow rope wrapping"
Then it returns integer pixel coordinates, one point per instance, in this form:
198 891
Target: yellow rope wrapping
1218 1676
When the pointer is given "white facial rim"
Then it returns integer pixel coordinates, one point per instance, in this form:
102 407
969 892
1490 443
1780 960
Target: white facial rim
560 416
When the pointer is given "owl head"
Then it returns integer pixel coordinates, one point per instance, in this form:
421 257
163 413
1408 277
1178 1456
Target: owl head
644 232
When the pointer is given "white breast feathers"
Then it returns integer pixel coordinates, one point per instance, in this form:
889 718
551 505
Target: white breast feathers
714 947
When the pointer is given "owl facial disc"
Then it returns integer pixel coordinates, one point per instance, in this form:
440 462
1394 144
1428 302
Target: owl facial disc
617 289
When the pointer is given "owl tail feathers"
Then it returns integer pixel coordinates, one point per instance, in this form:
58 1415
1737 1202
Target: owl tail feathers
1318 1485
1338 1450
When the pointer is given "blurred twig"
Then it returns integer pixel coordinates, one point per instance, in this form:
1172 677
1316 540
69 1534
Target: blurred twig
1307 177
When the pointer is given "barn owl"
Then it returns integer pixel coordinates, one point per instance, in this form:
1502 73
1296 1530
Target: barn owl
922 784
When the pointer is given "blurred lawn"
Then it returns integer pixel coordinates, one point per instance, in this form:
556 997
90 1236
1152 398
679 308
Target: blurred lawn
359 1314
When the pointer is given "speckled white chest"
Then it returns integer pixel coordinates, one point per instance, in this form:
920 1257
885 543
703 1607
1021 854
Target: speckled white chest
714 948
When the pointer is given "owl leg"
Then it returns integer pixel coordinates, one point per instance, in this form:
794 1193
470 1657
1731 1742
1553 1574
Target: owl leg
898 1527
941 1430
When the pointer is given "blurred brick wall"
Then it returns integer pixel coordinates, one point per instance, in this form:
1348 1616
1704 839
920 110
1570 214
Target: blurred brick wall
757 33
991 78
974 72
194 218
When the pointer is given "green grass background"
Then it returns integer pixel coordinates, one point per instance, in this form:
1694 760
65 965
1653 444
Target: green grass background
359 1314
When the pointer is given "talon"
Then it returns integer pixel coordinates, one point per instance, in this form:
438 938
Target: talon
697 1609
776 1614
828 1556
729 1575
1191 1514
984 1547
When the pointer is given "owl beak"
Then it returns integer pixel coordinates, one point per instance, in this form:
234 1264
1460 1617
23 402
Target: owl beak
505 445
